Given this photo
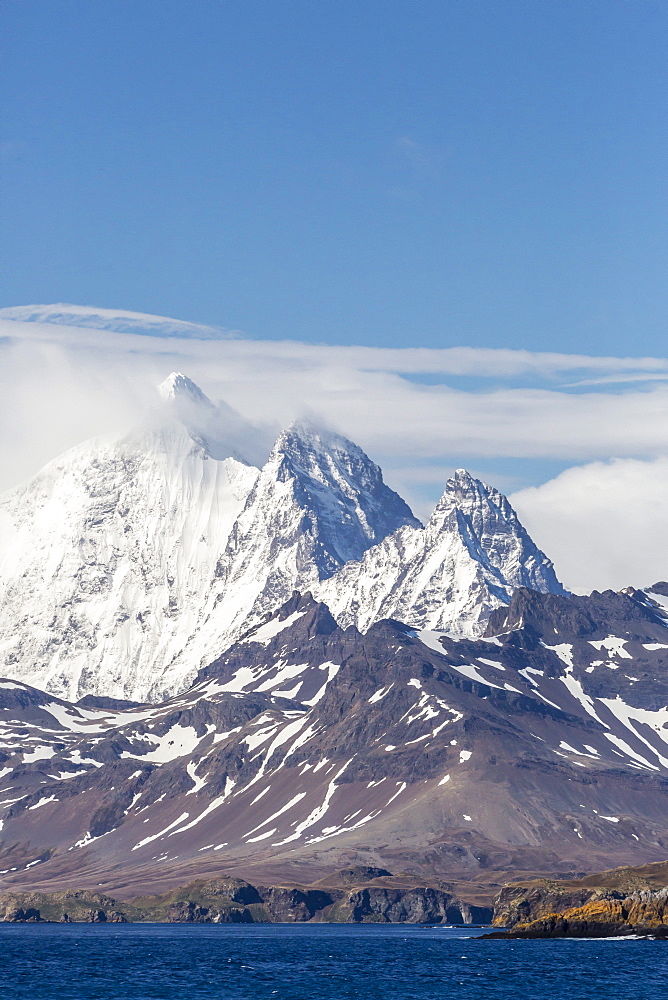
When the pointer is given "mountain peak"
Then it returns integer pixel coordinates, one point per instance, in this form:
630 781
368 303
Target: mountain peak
178 386
336 478
318 503
470 558
472 497
462 485
303 436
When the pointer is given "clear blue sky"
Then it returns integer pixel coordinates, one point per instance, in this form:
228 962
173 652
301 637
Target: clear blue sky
430 173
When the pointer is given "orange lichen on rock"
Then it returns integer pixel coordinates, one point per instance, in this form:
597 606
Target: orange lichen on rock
600 911
643 912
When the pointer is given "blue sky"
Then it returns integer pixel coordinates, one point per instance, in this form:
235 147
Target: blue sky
437 227
391 174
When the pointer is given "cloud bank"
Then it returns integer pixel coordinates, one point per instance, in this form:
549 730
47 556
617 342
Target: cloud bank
513 417
605 524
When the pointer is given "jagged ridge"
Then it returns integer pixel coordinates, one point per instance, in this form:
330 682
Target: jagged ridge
130 563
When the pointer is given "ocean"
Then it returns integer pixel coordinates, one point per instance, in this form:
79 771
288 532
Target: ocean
317 962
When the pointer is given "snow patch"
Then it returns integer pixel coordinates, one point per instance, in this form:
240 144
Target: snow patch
265 633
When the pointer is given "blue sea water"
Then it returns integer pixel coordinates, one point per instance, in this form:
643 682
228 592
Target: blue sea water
317 962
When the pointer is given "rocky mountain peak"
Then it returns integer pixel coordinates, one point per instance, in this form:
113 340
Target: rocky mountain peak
345 502
467 561
485 524
314 617
474 498
463 484
318 503
321 457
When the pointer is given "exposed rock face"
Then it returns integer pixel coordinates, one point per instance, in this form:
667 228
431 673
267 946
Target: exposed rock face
643 913
623 901
18 914
414 906
61 907
187 912
287 905
218 901
524 903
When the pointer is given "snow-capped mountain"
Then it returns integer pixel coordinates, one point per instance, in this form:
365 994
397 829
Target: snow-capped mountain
106 553
127 565
468 560
220 430
318 503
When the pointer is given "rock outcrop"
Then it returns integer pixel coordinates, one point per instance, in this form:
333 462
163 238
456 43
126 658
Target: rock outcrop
611 904
228 900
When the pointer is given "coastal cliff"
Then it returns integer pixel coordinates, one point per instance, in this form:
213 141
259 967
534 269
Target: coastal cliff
356 895
616 903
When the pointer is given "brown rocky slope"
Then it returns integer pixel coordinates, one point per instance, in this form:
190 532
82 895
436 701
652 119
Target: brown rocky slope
538 750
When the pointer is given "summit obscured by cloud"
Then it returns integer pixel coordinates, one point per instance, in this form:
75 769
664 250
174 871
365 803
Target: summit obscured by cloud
584 458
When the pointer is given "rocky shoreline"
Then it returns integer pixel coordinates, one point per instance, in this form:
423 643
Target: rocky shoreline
619 903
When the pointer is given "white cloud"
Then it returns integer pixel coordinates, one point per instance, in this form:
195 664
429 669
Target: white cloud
62 383
119 320
604 524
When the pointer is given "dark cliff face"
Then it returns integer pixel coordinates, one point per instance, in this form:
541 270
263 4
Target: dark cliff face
399 899
539 748
574 618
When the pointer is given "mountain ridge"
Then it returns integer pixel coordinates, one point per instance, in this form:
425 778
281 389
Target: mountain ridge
451 574
192 544
306 747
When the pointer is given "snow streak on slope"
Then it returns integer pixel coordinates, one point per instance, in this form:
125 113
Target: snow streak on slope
468 560
524 735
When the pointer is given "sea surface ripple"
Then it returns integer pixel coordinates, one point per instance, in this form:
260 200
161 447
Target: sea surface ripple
316 962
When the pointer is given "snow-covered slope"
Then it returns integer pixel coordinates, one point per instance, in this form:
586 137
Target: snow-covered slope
318 502
105 556
468 560
539 747
126 565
